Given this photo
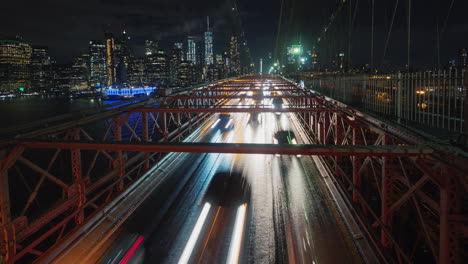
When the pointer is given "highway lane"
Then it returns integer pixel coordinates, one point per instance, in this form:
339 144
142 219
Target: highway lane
289 218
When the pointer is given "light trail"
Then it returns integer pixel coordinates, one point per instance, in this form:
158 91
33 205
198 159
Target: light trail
132 250
215 123
194 236
236 241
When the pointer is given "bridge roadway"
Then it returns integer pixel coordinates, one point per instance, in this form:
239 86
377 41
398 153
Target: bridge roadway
290 217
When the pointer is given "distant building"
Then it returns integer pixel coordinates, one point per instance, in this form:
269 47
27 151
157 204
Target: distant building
151 47
221 66
97 64
15 62
40 68
176 58
192 50
137 72
234 57
314 60
79 74
180 46
122 56
157 69
208 44
110 59
338 61
212 73
185 73
462 59
62 75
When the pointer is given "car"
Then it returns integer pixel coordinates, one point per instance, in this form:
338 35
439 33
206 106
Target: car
277 104
285 137
228 189
224 122
243 95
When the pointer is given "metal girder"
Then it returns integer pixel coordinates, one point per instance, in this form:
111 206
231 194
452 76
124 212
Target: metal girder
324 150
230 90
218 97
236 110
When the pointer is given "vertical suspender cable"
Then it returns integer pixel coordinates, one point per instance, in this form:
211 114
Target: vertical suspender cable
389 32
372 36
409 36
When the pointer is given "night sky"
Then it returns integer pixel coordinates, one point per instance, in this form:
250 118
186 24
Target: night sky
67 26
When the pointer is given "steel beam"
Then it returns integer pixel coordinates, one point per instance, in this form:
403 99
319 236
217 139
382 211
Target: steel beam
247 90
324 150
236 110
219 97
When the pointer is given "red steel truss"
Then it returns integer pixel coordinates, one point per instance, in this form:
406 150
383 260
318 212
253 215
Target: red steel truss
405 192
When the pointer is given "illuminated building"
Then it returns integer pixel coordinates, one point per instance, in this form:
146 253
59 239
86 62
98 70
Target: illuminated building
180 46
185 73
122 54
15 62
79 74
314 60
462 59
208 44
110 60
137 72
157 69
212 73
338 61
192 50
234 57
97 64
40 68
221 66
176 58
295 52
62 75
151 47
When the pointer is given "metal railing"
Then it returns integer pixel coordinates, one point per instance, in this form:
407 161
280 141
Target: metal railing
432 99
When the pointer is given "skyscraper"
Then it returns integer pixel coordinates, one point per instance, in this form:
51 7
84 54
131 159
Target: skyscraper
110 59
180 46
208 44
79 74
185 73
192 50
176 58
15 62
234 57
122 56
157 69
151 47
97 64
137 72
40 68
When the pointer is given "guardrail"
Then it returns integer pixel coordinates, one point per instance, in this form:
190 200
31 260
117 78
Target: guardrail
431 99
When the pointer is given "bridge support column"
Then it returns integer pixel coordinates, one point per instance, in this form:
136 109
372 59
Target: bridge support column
357 163
450 210
145 137
5 214
164 126
339 135
119 157
6 236
465 106
387 184
78 187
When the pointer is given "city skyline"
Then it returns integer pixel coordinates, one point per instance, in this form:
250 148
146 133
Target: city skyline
170 21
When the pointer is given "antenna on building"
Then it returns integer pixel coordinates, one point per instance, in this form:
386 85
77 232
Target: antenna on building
208 23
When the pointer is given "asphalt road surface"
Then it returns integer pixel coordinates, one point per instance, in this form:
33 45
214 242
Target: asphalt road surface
232 208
